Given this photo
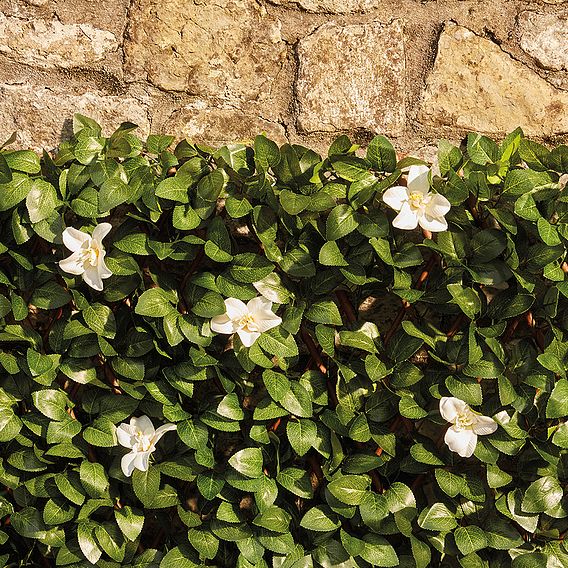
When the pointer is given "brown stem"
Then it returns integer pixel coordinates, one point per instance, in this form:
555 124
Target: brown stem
456 326
346 306
315 355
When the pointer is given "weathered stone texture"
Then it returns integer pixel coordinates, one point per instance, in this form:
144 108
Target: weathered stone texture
545 37
475 85
332 6
210 124
230 49
41 116
53 44
352 77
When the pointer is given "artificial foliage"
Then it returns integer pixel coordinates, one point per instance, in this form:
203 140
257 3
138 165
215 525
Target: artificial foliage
134 434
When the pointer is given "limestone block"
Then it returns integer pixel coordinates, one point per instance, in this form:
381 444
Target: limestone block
475 85
42 116
209 124
332 6
51 44
352 77
230 49
545 38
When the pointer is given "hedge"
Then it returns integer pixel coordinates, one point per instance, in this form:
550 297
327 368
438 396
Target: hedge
256 356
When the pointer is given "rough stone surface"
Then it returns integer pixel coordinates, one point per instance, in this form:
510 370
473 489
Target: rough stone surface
332 6
352 77
475 85
545 37
42 117
213 125
53 44
230 49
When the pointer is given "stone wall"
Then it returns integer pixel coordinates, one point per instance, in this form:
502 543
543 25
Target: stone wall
301 70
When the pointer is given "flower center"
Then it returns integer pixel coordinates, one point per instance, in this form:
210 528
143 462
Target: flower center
143 443
247 323
465 419
90 256
416 199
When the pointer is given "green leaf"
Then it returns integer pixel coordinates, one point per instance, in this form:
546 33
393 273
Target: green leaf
320 519
324 311
302 435
330 255
381 154
557 405
466 298
470 539
5 172
41 200
437 518
273 518
50 296
94 479
101 320
542 495
154 303
174 189
14 191
25 161
204 542
349 489
113 192
51 403
146 485
340 222
248 462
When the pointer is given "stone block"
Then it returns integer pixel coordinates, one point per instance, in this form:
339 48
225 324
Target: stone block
545 38
475 85
51 44
230 49
210 124
352 77
332 6
42 117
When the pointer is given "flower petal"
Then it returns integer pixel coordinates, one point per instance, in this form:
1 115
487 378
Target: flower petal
104 271
395 196
266 321
141 460
434 224
127 463
236 309
248 337
417 179
450 407
124 434
259 304
484 425
72 264
223 324
143 424
161 431
73 239
101 231
438 205
406 219
92 277
462 442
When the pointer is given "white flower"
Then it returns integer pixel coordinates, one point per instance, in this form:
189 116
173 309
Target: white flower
141 438
88 256
247 320
416 204
461 436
